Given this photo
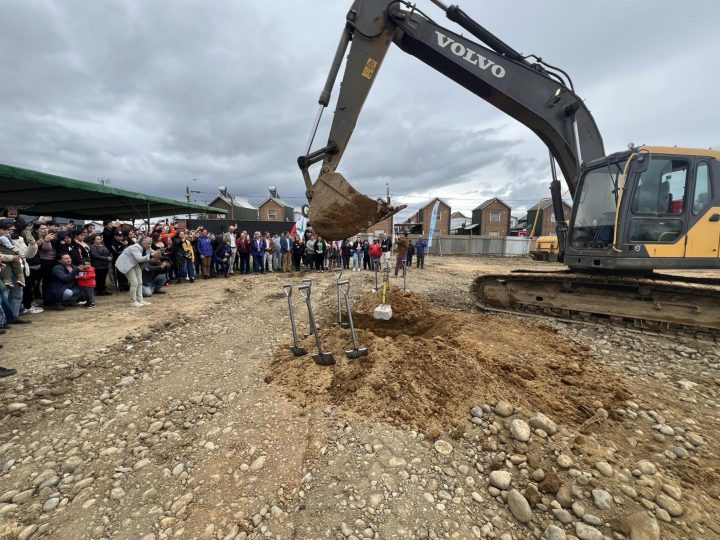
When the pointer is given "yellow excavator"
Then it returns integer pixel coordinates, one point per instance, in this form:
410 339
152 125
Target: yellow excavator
636 213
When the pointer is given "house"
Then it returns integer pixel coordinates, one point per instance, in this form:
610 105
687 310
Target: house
381 228
458 220
492 218
238 209
275 209
541 218
420 221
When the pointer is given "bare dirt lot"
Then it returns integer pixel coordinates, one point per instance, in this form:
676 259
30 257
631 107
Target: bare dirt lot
190 418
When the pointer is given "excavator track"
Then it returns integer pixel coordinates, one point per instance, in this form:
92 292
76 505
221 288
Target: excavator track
660 304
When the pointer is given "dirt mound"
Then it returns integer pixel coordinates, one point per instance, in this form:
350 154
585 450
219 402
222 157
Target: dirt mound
427 366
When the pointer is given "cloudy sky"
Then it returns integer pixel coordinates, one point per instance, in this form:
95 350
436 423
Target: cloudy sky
154 93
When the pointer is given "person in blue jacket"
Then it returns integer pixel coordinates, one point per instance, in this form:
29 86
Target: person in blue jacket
258 253
205 250
420 247
222 257
62 289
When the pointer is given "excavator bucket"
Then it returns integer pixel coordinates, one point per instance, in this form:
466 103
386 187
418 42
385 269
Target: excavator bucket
339 211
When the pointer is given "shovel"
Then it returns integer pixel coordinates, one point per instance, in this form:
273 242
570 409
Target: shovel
296 349
356 352
338 275
321 358
307 281
384 311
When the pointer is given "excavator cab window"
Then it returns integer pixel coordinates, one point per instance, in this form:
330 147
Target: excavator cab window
659 201
594 222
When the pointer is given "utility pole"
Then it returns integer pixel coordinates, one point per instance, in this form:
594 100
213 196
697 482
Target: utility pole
188 191
103 181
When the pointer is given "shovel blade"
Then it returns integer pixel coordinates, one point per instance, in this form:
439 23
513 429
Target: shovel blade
339 211
324 359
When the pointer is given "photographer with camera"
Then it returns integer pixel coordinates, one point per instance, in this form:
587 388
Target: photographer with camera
154 275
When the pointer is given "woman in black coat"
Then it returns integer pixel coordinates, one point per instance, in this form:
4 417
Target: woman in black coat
100 257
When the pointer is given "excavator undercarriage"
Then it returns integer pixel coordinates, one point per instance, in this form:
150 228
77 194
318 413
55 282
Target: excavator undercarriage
656 303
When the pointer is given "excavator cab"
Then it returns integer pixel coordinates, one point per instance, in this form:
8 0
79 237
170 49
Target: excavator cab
648 208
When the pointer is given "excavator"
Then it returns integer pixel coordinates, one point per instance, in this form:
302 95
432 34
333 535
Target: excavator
637 213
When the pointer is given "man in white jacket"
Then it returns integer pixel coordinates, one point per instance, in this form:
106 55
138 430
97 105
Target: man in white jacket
130 263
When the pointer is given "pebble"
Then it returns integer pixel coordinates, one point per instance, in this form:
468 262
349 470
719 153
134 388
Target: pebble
674 491
443 447
553 532
520 430
503 408
16 407
117 493
604 468
180 503
519 506
477 412
141 464
500 479
51 504
179 468
669 504
126 381
695 439
563 516
602 499
71 464
646 467
540 421
258 464
587 532
564 461
27 532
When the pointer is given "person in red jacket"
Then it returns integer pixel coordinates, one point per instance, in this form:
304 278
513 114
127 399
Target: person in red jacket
86 283
375 251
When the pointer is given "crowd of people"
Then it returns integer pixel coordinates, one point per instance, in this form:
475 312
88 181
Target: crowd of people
49 266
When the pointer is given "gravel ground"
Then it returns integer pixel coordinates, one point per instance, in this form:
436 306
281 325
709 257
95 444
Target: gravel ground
158 423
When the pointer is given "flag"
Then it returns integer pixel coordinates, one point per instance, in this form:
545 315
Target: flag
433 219
299 227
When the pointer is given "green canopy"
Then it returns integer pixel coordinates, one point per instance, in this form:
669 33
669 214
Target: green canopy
38 193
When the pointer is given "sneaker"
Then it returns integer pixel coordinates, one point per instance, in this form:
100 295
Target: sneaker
18 320
59 307
82 302
89 305
32 310
144 303
136 304
5 372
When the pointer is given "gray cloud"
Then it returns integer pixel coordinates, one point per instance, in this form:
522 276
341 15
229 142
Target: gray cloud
154 94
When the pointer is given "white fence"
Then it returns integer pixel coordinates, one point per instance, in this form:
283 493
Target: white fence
453 244
505 246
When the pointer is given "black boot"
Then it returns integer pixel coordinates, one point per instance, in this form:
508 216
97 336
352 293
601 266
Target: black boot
6 372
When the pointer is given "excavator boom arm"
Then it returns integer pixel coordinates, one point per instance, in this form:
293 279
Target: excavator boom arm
530 93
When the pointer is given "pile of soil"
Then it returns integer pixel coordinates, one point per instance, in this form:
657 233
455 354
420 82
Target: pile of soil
428 366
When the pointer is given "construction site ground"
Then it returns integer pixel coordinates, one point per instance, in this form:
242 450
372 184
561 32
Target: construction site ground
190 418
